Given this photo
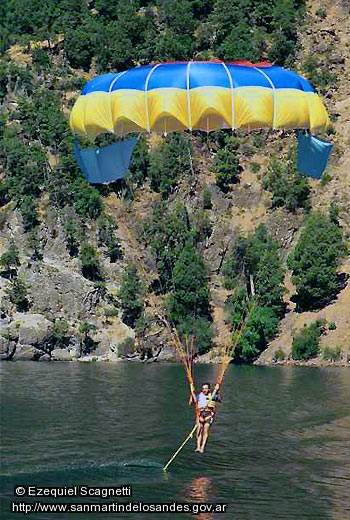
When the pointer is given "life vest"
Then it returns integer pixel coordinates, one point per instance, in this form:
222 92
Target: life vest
212 402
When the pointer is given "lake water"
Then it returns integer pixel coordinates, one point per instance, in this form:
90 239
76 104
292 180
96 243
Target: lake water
279 447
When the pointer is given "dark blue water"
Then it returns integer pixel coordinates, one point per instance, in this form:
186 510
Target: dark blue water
279 447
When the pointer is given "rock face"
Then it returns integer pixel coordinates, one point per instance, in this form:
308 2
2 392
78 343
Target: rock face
26 353
7 348
61 354
44 357
110 339
56 291
30 329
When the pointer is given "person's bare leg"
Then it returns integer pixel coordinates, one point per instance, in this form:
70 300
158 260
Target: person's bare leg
205 434
199 435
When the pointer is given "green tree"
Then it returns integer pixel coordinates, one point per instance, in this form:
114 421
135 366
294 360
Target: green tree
29 211
90 266
87 200
139 164
290 189
79 47
167 232
18 295
73 235
261 327
306 342
107 237
207 202
191 292
131 296
60 334
42 119
227 168
255 259
168 162
257 256
188 303
10 261
315 260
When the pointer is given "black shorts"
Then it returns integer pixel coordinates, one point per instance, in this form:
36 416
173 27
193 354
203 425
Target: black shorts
207 415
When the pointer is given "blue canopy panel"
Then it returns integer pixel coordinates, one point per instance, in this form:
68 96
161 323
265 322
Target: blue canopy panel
108 164
313 155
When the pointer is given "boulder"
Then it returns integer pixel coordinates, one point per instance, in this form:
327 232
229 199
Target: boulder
337 60
4 345
110 339
25 353
166 353
61 354
57 290
74 347
30 329
44 357
7 348
103 339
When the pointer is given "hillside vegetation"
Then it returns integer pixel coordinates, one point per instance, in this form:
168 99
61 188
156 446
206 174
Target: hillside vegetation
200 222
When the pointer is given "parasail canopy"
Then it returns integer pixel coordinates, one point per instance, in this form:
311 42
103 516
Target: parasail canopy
108 164
168 97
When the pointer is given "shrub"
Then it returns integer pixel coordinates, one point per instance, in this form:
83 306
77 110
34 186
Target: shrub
73 236
169 161
139 164
258 256
198 330
332 354
190 297
262 326
88 344
29 212
255 167
87 200
107 237
290 189
131 296
18 295
321 12
60 332
314 262
332 325
316 68
227 168
306 342
279 355
90 266
126 348
10 261
325 179
207 203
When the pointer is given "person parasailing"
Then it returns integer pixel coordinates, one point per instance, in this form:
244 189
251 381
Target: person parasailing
205 403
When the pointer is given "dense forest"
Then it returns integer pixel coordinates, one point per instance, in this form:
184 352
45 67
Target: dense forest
175 196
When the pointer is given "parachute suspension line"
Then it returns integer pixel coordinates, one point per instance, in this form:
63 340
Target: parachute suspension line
110 98
239 331
274 96
170 327
116 79
191 161
146 97
232 96
231 346
188 96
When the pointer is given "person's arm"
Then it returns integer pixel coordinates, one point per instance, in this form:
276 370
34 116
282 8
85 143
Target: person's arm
216 393
193 397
